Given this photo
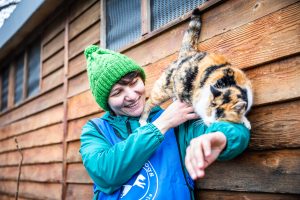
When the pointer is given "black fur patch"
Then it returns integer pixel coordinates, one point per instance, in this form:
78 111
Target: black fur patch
220 113
226 97
199 56
187 82
169 75
209 71
227 80
244 94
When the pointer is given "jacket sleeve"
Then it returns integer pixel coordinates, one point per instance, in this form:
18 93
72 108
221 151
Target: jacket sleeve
111 166
237 135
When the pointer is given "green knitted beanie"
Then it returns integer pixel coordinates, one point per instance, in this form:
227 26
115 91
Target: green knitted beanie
105 68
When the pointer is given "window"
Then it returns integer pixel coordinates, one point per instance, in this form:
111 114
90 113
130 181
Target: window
33 79
4 88
164 11
123 23
19 74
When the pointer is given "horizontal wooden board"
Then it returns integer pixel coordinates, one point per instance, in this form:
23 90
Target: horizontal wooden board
271 37
214 22
50 116
78 84
88 37
77 65
275 126
51 172
53 28
76 173
53 80
44 136
53 63
82 105
283 74
78 7
73 154
86 19
224 195
33 190
53 46
45 154
79 191
75 126
10 197
36 105
269 171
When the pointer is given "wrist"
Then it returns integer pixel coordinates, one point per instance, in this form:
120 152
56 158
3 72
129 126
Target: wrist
161 126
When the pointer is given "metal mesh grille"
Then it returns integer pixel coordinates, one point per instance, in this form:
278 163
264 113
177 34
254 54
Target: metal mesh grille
164 11
4 88
19 79
123 22
33 69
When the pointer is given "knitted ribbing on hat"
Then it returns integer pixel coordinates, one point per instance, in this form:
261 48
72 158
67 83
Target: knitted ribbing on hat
105 68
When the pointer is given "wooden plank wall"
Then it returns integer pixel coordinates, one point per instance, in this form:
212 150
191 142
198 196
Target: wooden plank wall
260 36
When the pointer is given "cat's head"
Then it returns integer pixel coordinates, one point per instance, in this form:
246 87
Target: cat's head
228 104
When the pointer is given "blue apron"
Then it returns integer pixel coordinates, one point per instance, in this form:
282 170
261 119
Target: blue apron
162 176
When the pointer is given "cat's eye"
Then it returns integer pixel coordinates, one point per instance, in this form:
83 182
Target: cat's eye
213 104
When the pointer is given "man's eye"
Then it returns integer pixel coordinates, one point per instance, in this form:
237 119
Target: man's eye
116 93
133 82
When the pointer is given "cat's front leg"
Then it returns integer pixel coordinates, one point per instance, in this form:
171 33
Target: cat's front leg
246 122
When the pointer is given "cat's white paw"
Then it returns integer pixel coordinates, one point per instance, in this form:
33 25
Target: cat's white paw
247 123
143 122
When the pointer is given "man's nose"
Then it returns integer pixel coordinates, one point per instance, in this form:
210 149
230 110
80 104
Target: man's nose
130 94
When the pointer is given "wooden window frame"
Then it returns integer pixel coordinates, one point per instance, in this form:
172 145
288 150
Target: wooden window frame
146 32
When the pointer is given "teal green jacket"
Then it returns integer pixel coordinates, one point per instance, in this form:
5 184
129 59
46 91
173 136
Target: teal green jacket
112 166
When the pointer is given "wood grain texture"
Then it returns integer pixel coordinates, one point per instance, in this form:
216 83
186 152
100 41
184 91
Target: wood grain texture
78 7
53 80
78 84
44 136
45 154
88 37
53 29
86 19
82 105
275 126
56 44
75 126
79 191
77 65
45 118
73 154
224 195
275 82
271 37
268 171
39 173
53 63
77 174
31 190
36 105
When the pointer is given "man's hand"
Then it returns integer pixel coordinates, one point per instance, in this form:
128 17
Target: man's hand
176 114
203 151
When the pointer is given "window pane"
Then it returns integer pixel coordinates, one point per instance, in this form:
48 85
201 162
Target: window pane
123 22
4 89
33 69
164 11
19 79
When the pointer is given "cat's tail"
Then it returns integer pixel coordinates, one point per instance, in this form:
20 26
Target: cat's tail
191 35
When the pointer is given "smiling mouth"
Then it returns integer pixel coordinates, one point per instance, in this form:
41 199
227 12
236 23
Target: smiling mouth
133 104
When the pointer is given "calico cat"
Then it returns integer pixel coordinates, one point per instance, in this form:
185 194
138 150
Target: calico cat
217 90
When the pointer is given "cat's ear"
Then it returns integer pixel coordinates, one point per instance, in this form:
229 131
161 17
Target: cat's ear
215 91
239 106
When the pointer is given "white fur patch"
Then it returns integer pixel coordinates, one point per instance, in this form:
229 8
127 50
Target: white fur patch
250 97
